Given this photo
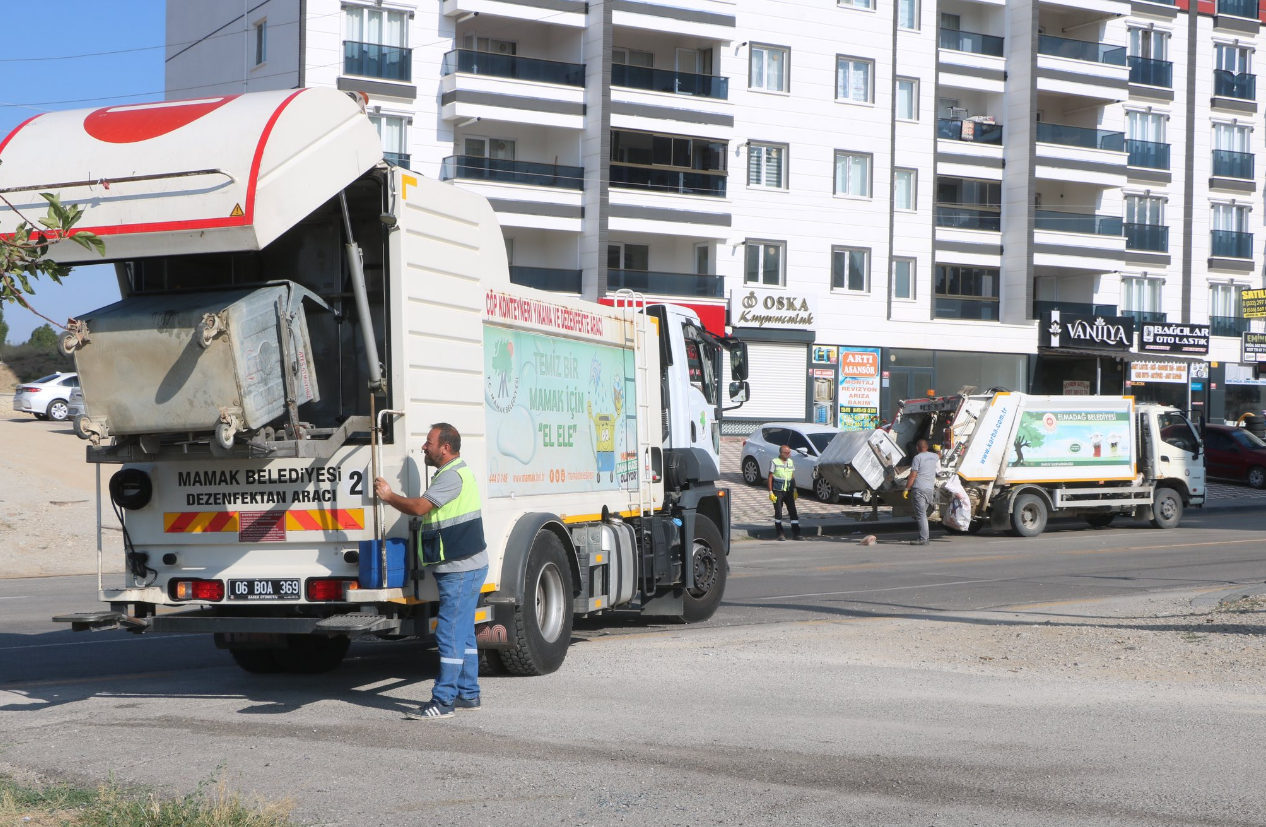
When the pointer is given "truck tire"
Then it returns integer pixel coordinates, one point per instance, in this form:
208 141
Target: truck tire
1100 520
1028 516
701 602
311 654
1166 508
541 631
751 472
257 661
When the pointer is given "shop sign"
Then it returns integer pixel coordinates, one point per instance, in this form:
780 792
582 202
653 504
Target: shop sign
1175 338
1070 330
824 354
1199 370
859 389
773 309
1253 347
1169 372
1253 304
1076 387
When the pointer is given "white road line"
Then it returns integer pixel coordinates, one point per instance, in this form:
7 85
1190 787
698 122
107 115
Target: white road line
890 589
83 643
16 597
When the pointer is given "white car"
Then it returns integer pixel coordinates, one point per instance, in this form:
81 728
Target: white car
807 442
47 397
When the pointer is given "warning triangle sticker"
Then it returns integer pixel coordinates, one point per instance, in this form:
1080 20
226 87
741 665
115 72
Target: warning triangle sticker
237 211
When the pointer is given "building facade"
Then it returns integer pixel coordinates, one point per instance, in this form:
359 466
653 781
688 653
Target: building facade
884 198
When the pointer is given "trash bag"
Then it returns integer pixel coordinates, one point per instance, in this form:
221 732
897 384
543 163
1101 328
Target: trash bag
958 514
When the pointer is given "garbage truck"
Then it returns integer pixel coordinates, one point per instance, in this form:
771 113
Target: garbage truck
295 315
1013 460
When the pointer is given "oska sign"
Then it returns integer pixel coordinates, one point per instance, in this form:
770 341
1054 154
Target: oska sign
1099 332
762 308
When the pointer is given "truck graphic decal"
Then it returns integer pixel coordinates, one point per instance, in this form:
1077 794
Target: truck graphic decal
1064 439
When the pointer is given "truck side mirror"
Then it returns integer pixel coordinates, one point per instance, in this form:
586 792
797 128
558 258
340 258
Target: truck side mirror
738 362
738 391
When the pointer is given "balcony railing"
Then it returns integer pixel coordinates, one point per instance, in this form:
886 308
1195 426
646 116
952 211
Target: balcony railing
976 309
1041 307
668 180
471 167
974 131
399 159
664 80
1153 238
1227 164
1053 133
1150 72
1147 154
1145 316
546 278
470 62
1232 244
1080 50
1238 8
1227 326
1071 222
1227 84
978 44
374 60
956 217
667 284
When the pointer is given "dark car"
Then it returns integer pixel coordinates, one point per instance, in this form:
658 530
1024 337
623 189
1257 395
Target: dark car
1235 454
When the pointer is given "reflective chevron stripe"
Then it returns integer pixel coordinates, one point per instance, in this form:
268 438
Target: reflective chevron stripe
202 522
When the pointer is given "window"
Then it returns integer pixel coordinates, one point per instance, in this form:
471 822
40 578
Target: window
668 163
850 269
767 68
1141 209
391 129
908 14
1224 300
764 263
1145 126
703 259
966 292
852 79
857 4
1141 294
628 257
386 28
767 166
1149 44
488 148
632 57
1233 59
907 99
904 190
1230 218
852 174
1232 137
903 279
261 42
1175 430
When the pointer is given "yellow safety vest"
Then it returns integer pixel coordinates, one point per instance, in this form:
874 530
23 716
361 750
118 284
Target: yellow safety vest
455 530
784 475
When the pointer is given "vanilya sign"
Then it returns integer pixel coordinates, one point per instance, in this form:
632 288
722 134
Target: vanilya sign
1068 330
772 310
1175 338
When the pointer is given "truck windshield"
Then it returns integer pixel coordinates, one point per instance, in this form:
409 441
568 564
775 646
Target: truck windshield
701 360
1175 430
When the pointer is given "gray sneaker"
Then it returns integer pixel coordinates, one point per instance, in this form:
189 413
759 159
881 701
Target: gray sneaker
429 711
465 703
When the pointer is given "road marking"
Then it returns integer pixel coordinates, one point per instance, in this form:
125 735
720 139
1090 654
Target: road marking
16 597
890 589
83 643
4 687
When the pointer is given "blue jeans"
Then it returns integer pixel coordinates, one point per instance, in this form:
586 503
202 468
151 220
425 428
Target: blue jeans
455 635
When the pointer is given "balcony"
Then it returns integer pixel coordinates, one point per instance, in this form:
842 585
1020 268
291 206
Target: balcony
1080 50
667 284
1238 8
972 309
1227 164
1231 244
499 170
1041 308
974 131
957 217
1053 133
1069 222
675 83
1147 154
546 278
465 61
1151 72
374 60
1152 238
1145 316
1227 326
398 159
1227 84
978 44
660 179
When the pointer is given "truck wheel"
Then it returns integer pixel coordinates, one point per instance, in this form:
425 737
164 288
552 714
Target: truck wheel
1100 520
1028 516
751 472
1166 508
542 621
701 602
1256 477
975 526
257 661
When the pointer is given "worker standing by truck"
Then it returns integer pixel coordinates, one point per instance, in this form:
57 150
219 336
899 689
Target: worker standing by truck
451 545
782 490
922 482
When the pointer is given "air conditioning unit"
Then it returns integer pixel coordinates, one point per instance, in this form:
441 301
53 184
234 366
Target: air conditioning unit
958 113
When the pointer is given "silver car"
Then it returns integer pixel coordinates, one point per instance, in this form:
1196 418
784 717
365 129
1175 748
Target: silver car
807 442
47 397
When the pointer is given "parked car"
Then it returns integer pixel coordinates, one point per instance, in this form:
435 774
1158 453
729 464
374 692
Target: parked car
807 442
1235 454
47 397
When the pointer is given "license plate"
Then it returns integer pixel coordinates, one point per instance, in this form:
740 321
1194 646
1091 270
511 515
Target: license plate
263 590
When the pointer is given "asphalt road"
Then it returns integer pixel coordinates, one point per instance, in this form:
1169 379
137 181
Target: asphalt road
757 717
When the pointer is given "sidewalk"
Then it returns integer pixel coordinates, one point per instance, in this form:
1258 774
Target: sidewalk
752 516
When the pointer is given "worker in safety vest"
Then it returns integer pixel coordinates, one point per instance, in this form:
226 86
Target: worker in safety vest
782 489
450 541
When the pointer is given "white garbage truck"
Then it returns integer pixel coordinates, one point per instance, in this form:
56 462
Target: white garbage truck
295 316
1011 460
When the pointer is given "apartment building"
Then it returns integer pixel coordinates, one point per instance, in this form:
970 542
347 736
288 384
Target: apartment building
884 198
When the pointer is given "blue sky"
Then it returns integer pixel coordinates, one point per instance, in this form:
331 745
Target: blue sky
136 31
